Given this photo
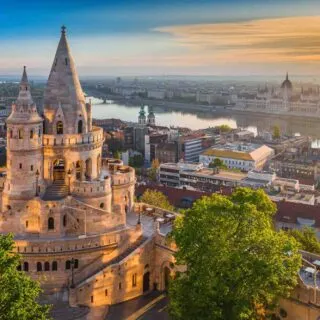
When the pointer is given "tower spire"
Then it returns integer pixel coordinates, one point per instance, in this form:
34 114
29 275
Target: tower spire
24 78
287 76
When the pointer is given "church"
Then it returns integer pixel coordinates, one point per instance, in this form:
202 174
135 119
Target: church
76 225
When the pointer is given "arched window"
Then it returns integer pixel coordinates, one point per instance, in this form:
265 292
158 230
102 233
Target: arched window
101 205
46 266
11 134
26 266
39 266
31 134
50 223
80 126
59 127
68 265
54 266
20 133
64 220
76 263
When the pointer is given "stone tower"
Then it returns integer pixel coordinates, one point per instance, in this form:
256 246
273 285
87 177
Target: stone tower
65 108
151 117
142 116
24 148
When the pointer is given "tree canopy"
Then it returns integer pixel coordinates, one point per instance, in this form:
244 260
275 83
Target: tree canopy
152 174
276 132
136 161
217 163
237 265
18 299
157 199
224 128
307 239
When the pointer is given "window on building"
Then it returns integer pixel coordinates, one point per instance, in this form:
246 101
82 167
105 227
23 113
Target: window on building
76 263
26 266
50 223
20 165
27 224
120 285
80 126
65 220
39 266
106 292
46 266
31 167
54 266
20 134
134 280
31 134
68 265
59 127
11 134
91 299
101 205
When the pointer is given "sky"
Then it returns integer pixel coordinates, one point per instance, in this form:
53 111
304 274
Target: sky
167 37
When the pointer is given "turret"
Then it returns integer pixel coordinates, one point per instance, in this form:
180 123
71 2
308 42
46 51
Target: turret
65 108
24 147
151 117
142 116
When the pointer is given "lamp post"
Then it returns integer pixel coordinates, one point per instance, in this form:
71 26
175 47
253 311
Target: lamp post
72 273
37 182
69 182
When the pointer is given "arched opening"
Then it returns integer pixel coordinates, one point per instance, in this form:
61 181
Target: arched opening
78 170
46 266
59 127
146 282
39 266
54 266
65 220
101 205
76 263
26 266
88 168
68 265
50 223
80 126
166 277
20 134
31 134
58 170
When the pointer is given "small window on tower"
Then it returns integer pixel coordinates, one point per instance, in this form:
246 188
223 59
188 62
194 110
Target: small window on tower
31 134
66 60
11 134
20 134
20 165
31 167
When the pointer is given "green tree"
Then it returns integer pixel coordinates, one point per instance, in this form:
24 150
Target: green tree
307 239
136 161
276 132
217 163
117 154
157 199
19 294
237 265
224 128
154 169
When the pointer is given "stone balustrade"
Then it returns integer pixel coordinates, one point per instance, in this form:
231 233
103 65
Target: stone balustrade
95 188
96 135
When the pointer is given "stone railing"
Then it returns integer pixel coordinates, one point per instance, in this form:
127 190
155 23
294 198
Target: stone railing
91 188
24 144
96 135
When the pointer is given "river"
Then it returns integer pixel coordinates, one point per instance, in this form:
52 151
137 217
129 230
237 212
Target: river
200 120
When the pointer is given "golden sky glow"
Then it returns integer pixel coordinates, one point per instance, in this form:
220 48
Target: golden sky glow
293 42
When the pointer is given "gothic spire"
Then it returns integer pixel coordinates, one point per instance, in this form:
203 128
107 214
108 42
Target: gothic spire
64 88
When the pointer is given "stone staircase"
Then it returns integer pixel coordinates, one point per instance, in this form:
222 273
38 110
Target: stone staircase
115 260
58 190
62 311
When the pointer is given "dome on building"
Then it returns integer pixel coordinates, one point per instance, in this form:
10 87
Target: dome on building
286 84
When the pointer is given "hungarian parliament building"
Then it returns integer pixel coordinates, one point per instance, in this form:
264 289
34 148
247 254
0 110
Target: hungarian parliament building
282 99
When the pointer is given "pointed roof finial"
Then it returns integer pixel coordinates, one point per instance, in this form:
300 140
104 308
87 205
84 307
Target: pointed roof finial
24 78
63 29
287 76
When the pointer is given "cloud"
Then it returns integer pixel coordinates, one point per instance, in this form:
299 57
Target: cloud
294 40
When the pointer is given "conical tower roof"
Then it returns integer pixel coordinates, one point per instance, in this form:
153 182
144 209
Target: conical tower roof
64 88
24 109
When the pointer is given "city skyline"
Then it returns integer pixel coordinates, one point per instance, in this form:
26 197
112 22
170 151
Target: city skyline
230 38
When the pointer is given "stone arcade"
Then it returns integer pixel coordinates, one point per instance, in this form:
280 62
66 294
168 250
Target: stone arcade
73 213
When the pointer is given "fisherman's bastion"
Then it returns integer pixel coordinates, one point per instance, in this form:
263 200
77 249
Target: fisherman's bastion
73 214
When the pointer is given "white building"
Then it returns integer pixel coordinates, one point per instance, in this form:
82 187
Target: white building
242 156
